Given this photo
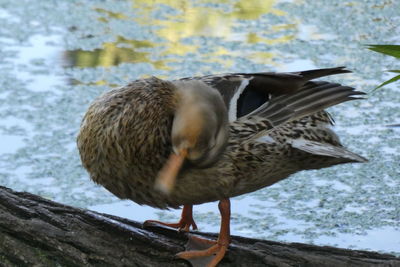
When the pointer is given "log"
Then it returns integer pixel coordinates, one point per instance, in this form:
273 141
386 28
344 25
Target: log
38 232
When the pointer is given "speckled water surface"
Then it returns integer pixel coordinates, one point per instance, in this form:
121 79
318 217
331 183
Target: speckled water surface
57 56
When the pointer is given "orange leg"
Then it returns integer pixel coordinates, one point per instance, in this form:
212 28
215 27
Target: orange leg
184 223
219 247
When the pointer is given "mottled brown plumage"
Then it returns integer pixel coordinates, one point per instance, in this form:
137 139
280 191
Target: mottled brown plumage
277 127
125 139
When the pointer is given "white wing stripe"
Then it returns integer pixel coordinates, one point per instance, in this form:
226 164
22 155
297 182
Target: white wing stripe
235 98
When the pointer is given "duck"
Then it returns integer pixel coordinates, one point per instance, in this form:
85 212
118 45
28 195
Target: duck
179 143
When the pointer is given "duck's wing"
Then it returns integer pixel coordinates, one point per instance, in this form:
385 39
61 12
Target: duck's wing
304 107
245 92
313 97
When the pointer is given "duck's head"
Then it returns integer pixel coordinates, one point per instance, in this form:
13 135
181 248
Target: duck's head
199 130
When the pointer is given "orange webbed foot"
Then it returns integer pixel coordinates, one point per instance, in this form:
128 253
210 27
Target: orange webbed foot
203 252
184 223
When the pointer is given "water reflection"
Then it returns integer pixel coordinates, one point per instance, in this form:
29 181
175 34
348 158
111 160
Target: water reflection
112 54
178 27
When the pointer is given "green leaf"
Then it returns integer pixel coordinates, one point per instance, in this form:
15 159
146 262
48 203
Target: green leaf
396 71
389 81
391 50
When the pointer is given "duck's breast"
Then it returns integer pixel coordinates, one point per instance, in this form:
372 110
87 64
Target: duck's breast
125 137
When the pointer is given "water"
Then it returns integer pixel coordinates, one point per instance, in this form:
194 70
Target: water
57 58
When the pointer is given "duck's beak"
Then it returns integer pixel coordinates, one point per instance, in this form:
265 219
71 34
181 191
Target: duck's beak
166 178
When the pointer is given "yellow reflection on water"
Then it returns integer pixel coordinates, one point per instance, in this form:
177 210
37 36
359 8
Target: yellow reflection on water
253 9
110 14
195 19
255 38
187 19
114 53
262 57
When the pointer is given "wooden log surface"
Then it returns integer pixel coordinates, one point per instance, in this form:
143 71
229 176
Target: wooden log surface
38 232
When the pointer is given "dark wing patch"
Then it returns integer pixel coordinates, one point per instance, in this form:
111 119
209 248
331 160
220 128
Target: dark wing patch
250 100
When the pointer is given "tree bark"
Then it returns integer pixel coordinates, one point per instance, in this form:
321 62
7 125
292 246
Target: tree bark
38 232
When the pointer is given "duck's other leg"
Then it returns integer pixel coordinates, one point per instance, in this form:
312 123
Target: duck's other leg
212 255
184 223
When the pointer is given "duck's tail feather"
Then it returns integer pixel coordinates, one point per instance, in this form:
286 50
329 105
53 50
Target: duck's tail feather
325 149
317 73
